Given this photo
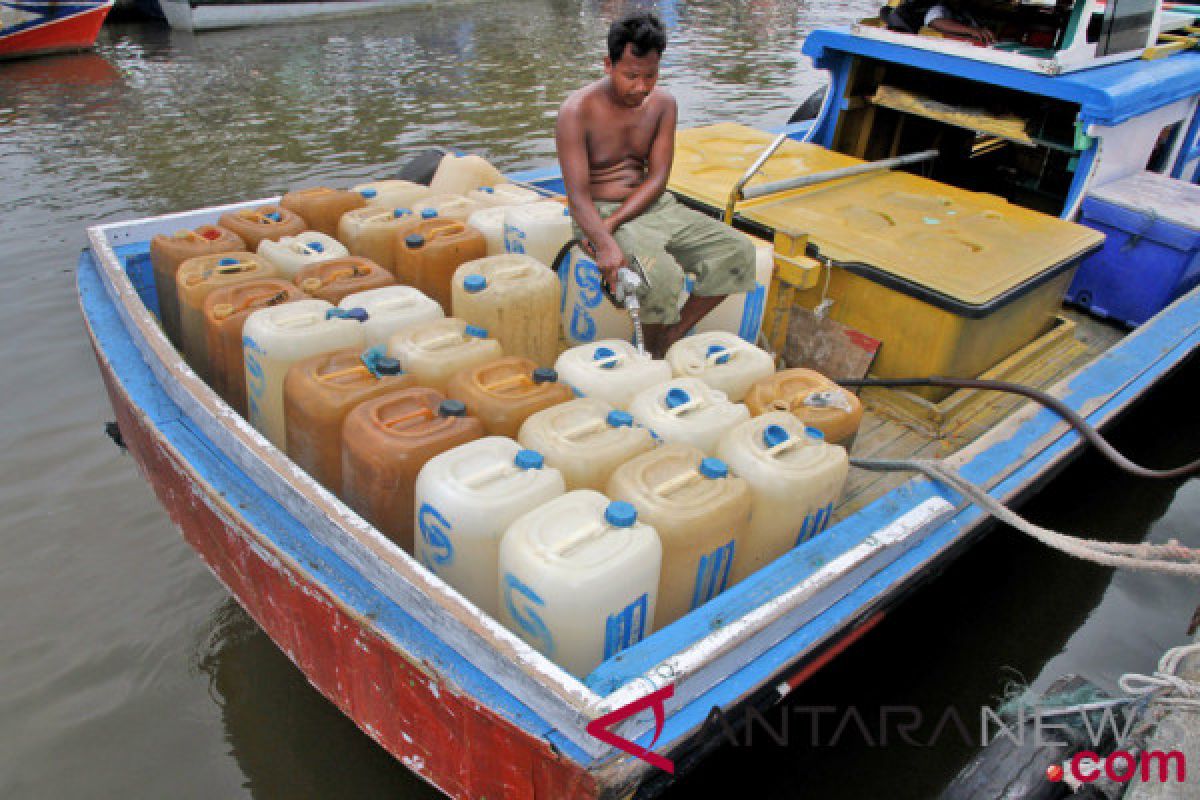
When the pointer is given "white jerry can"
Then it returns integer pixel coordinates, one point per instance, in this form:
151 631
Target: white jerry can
687 411
611 370
293 253
391 309
586 439
723 360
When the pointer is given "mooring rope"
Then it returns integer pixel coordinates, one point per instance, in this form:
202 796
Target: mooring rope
1170 558
1166 686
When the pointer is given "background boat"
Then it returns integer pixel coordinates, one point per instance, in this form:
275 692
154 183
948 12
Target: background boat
36 27
204 15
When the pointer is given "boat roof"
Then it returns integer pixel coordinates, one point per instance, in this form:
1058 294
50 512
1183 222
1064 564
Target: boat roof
1107 95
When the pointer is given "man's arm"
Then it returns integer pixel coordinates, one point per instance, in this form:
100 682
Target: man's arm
573 161
658 169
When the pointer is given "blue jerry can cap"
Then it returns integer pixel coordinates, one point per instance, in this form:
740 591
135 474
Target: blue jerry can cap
428 213
274 216
619 419
397 213
452 408
545 375
713 349
476 331
315 246
474 283
601 353
388 366
620 514
774 435
677 397
529 459
713 468
227 262
487 190
368 193
414 240
815 433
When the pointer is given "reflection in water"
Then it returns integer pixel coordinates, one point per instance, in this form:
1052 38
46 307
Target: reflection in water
286 738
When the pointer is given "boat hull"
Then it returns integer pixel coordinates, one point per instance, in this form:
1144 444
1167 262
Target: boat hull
186 16
59 30
456 744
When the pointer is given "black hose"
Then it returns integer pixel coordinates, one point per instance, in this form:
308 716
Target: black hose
1051 402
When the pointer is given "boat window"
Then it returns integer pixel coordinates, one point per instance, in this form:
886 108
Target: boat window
1164 147
992 139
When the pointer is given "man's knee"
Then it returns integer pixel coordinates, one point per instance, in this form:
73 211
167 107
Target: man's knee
729 269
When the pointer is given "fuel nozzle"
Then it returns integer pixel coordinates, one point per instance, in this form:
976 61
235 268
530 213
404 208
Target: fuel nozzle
630 280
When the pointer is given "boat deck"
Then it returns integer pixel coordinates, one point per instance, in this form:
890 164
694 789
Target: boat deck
891 430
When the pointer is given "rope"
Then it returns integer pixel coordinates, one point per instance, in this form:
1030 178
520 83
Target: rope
1171 558
1055 404
1166 686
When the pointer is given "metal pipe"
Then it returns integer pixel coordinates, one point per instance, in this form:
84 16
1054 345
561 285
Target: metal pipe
834 174
736 193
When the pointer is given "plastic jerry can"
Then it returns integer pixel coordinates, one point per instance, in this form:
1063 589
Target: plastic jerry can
168 251
587 314
318 393
461 174
813 399
490 222
578 579
465 499
702 516
741 313
611 370
796 477
537 229
374 232
391 309
687 411
293 253
385 443
225 313
434 351
722 360
275 338
391 194
262 224
503 393
196 280
431 252
322 207
503 194
585 439
334 279
447 206
514 298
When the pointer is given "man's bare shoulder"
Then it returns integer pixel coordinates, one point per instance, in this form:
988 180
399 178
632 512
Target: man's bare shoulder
581 100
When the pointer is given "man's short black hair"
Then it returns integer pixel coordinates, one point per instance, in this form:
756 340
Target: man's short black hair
641 29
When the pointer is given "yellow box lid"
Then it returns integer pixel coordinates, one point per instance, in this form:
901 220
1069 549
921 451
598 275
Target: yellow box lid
969 247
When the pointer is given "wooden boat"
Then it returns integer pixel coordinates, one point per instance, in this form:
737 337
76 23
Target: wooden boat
209 15
39 27
469 706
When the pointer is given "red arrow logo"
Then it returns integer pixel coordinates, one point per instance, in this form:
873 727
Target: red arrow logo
599 728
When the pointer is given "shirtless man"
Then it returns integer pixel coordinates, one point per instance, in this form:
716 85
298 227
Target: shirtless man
616 141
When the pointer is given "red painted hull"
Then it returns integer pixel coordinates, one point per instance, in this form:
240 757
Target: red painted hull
65 34
459 746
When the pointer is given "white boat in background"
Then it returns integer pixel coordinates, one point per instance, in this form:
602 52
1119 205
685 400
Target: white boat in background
208 15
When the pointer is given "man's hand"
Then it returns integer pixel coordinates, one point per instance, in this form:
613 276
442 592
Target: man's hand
609 259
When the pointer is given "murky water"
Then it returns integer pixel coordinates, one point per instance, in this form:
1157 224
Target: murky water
125 670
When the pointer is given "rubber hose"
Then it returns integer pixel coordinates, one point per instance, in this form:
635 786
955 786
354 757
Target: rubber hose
1076 420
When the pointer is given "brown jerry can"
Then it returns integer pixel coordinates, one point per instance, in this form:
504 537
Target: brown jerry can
318 393
503 393
168 251
386 441
375 233
334 279
322 207
813 399
225 312
265 222
430 253
197 279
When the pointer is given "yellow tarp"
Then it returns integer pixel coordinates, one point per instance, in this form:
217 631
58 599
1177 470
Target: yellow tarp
968 246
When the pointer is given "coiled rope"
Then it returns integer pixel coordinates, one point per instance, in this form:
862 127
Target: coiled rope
1166 687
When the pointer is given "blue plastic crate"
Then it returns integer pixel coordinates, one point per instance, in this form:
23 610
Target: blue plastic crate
1151 253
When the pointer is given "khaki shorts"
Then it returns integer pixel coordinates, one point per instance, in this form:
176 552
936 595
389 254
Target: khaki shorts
719 259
